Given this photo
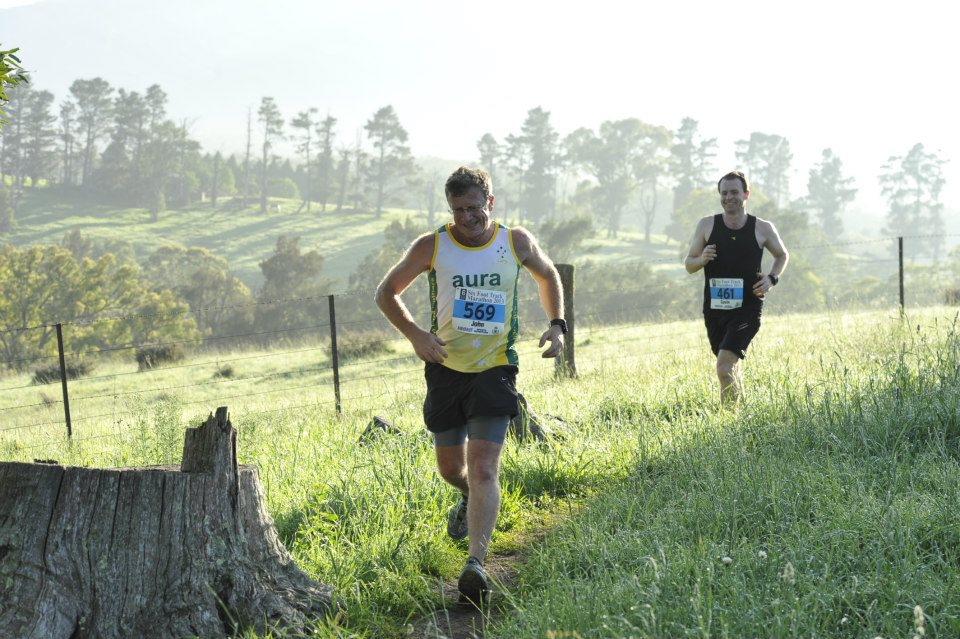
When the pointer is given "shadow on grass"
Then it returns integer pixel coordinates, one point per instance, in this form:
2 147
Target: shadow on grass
824 511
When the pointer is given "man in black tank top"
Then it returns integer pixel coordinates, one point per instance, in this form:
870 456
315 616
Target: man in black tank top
729 247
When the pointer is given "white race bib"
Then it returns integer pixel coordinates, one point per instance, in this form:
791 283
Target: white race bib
478 311
726 293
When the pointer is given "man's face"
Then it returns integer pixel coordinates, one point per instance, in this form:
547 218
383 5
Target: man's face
733 199
471 215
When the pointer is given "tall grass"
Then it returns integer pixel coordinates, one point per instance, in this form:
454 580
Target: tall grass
832 491
826 506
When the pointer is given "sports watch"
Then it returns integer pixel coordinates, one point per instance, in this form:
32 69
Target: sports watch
774 279
561 323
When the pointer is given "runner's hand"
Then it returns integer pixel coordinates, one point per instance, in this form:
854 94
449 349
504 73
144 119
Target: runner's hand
429 347
555 335
762 286
709 254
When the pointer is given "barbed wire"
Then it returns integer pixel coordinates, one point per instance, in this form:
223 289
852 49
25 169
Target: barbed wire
614 336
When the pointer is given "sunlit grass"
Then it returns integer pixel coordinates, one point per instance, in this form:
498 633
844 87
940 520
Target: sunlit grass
841 463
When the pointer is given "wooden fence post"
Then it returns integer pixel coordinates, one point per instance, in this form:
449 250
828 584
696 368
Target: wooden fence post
566 364
63 381
900 251
334 357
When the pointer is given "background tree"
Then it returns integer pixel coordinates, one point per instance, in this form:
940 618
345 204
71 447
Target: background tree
490 153
40 154
13 163
360 167
650 167
828 192
538 140
219 302
160 158
766 160
516 160
432 198
121 163
390 163
691 168
562 239
94 109
245 181
612 157
14 136
304 123
912 184
189 166
6 211
270 119
67 132
326 163
48 284
293 290
343 177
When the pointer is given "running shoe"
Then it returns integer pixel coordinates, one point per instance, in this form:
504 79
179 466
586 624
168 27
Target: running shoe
457 520
474 585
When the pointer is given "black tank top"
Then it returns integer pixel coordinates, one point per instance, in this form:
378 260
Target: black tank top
734 271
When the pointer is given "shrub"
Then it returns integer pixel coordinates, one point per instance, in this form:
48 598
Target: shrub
358 345
223 372
51 372
952 296
152 356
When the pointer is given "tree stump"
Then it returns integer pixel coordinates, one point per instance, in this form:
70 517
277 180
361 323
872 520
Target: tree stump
148 552
526 424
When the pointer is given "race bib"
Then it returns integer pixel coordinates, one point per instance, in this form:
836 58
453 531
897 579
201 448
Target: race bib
726 293
478 311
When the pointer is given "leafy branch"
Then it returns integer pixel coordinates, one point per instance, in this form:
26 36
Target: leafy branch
11 74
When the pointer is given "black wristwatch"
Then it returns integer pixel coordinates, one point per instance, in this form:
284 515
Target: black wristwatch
561 323
773 279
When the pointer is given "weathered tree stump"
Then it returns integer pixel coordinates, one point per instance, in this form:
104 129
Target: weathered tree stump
148 552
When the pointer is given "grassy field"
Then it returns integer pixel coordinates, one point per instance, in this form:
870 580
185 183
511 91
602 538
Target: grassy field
825 506
245 237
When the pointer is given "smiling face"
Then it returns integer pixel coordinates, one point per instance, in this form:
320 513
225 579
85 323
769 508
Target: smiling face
733 198
471 217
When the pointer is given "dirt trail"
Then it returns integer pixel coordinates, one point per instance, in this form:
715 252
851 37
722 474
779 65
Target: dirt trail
455 620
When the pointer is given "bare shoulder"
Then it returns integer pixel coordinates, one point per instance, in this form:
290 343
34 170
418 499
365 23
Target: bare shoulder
769 237
765 225
524 243
766 228
421 251
704 227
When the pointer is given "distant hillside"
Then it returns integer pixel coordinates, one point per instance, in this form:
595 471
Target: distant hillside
244 237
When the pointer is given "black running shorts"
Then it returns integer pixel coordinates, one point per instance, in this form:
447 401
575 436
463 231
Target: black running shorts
454 397
732 332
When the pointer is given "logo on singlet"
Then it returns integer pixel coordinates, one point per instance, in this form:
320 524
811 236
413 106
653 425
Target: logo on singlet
476 280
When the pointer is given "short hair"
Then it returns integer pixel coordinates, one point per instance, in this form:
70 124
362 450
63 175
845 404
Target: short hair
735 175
465 178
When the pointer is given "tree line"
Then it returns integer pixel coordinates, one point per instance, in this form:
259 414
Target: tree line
121 145
176 294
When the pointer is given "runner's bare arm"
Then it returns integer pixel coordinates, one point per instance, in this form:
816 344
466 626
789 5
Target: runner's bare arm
427 346
548 283
773 244
700 252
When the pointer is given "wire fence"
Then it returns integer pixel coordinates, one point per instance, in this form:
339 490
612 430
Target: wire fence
358 364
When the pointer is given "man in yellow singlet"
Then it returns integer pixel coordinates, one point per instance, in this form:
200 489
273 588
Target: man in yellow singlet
473 264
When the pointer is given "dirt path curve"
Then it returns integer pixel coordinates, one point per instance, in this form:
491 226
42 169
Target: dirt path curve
454 620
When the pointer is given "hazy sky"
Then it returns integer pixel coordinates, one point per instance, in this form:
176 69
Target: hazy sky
869 82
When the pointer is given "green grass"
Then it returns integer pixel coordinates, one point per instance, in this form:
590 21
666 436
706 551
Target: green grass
841 464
